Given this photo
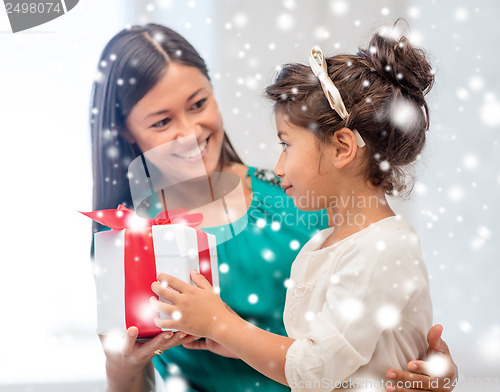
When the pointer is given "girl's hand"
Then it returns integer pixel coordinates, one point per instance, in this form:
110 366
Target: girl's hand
194 309
210 345
125 361
437 374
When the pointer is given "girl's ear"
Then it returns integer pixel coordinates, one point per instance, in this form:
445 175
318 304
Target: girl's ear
345 147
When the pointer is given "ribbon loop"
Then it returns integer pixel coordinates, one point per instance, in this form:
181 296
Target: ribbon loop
318 66
124 218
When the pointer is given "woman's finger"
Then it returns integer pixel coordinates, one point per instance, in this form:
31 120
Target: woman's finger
402 379
401 388
160 342
129 340
434 338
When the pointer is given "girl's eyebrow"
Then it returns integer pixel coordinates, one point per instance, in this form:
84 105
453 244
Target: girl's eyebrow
165 111
281 133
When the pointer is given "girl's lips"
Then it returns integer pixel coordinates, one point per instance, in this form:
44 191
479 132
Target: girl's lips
287 188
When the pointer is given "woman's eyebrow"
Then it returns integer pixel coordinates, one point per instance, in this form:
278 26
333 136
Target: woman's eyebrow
165 111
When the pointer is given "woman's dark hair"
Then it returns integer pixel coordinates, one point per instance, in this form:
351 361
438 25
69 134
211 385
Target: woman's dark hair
383 89
131 64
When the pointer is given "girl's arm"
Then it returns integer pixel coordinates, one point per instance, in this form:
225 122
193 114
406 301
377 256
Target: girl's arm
199 311
128 363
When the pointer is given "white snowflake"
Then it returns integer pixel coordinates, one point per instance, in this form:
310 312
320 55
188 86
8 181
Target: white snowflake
490 111
321 33
461 14
253 298
388 316
176 384
465 326
285 22
351 309
290 4
339 7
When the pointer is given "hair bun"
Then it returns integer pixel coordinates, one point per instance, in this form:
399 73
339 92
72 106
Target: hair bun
403 64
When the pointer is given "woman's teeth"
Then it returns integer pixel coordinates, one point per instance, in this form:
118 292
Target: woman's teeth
194 152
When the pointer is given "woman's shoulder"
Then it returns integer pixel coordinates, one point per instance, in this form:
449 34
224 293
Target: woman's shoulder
264 176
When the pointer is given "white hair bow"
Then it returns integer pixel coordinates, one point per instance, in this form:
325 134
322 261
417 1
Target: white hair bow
318 65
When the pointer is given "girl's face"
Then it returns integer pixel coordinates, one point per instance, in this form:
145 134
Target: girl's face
181 104
305 178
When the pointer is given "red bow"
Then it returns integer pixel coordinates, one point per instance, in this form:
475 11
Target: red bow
124 218
139 247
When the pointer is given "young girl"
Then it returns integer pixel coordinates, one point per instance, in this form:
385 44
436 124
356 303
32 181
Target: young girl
358 297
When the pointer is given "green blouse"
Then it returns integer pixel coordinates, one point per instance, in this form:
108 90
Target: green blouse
253 269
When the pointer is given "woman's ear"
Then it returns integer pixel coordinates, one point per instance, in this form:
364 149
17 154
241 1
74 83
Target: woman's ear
345 147
127 135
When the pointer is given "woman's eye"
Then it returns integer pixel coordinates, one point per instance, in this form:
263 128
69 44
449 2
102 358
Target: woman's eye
161 123
199 103
284 145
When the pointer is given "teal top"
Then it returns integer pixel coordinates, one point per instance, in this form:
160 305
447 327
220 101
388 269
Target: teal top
255 265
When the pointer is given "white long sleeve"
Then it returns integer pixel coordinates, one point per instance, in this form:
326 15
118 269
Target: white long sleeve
357 308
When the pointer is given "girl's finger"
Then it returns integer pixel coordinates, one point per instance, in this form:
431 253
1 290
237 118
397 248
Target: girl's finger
198 345
129 340
166 324
200 281
161 307
163 291
173 282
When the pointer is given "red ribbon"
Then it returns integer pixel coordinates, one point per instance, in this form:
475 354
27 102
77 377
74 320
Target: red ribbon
139 263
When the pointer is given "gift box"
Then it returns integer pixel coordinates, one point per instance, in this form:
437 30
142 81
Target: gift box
129 257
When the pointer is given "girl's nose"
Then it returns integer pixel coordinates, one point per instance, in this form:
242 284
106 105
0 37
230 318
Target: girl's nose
278 169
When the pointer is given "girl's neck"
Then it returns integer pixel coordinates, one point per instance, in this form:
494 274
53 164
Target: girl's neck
354 211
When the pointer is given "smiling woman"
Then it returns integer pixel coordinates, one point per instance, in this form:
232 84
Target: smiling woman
139 70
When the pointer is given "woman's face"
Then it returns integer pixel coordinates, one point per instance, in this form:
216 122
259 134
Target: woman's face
181 104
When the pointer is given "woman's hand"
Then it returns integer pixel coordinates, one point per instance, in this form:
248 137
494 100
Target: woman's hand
210 345
438 373
196 310
126 359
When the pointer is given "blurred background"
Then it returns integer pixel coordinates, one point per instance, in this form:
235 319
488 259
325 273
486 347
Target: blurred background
46 284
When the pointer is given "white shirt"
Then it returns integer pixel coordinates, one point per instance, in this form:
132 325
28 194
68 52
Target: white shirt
357 308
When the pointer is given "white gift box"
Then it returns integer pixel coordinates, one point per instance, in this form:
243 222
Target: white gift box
177 250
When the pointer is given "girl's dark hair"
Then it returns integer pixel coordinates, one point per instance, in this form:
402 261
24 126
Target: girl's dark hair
383 89
131 64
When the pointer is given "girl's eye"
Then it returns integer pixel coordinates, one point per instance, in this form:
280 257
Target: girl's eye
284 145
161 123
199 104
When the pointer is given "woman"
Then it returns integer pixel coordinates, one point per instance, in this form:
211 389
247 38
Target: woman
152 88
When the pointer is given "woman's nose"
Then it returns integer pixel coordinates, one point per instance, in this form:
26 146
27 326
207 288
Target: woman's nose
188 126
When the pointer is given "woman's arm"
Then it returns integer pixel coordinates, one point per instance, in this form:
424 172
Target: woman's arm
423 376
128 363
201 312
